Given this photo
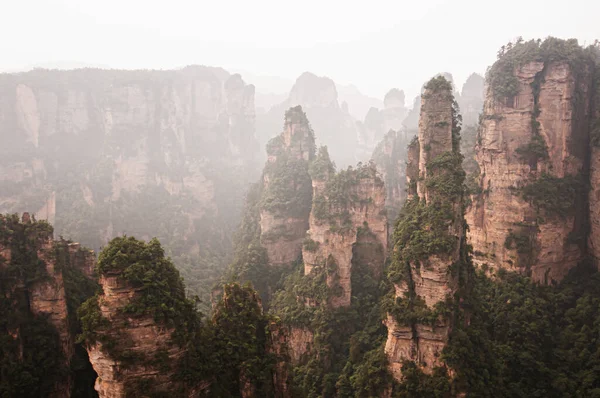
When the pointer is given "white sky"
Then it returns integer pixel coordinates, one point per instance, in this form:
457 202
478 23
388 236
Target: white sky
375 45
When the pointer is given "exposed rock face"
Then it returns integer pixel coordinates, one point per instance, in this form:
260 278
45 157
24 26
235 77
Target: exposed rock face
426 281
30 243
286 198
146 337
594 194
507 231
348 208
98 144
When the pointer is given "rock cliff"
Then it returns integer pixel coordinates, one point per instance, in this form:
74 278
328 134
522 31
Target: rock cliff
42 281
429 238
594 194
530 213
111 147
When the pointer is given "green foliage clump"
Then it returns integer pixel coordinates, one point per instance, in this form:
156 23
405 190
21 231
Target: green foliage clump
322 166
160 290
311 245
524 339
438 84
289 192
556 196
534 151
231 349
421 230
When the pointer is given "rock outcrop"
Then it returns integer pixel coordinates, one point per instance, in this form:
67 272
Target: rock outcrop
429 237
287 192
530 213
33 268
348 209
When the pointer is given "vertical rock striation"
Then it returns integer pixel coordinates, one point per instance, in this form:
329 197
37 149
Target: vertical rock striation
530 214
429 237
594 194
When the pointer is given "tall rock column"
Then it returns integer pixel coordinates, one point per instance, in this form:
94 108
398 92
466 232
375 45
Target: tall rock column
531 212
348 208
287 192
429 240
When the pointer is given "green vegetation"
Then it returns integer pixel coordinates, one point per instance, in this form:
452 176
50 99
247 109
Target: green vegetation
32 362
232 348
289 190
160 290
322 166
501 76
555 196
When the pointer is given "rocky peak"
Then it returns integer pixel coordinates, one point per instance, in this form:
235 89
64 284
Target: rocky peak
429 237
435 127
287 191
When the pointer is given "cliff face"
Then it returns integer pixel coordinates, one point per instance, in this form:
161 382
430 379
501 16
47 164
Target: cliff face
35 270
532 153
286 198
348 210
429 237
98 144
594 194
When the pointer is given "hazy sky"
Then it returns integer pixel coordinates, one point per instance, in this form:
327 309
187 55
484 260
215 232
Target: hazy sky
374 44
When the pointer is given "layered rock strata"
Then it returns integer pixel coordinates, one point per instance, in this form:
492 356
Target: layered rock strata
532 152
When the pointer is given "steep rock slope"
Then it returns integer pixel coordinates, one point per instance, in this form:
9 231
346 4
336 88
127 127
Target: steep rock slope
429 240
43 282
594 194
112 147
530 212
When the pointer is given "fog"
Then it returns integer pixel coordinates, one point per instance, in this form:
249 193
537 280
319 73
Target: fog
373 45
